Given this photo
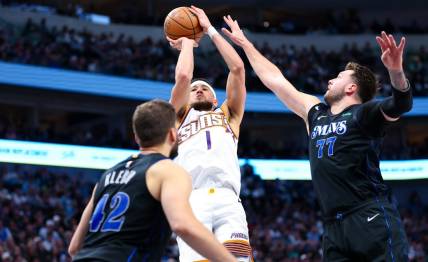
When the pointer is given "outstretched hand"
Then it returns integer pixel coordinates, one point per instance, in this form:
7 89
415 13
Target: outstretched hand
392 55
178 43
235 34
204 22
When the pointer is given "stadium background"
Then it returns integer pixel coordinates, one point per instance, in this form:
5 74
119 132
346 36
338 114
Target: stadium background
72 72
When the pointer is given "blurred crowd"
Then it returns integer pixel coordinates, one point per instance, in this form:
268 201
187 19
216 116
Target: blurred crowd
40 208
308 69
322 21
396 146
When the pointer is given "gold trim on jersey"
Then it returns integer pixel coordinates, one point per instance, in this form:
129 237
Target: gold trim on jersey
239 248
226 112
204 121
181 119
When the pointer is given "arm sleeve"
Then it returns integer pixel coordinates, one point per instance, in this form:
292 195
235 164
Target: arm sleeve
399 103
370 117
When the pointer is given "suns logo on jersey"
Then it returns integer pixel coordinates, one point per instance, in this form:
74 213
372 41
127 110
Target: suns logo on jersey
334 127
202 122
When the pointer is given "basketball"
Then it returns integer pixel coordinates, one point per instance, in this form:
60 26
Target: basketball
181 22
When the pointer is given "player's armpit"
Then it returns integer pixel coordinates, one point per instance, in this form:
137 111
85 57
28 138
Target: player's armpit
234 121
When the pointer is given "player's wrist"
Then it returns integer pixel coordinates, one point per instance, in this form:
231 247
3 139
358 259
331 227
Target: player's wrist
188 41
246 44
398 79
211 31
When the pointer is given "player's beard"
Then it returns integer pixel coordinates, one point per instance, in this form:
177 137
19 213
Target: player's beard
203 106
174 150
333 97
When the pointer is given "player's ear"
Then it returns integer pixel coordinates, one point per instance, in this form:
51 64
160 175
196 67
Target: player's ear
137 140
172 134
351 88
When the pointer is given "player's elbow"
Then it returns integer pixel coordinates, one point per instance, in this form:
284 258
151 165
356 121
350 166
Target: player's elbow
72 250
183 78
180 227
238 68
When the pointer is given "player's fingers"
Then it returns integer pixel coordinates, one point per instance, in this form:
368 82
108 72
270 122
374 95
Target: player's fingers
227 32
402 43
196 8
169 39
233 23
227 21
195 11
386 39
392 40
237 25
381 43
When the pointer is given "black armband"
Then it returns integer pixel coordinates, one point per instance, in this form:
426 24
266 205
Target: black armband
399 103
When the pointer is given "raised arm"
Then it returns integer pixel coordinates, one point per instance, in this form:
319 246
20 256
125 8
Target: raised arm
235 87
175 187
183 72
270 75
81 230
392 57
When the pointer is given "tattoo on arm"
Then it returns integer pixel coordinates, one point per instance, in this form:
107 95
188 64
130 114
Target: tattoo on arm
398 80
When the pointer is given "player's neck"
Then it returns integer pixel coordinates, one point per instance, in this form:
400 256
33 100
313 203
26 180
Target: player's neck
341 105
162 149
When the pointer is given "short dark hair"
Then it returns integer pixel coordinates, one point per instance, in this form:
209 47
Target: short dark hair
151 122
365 80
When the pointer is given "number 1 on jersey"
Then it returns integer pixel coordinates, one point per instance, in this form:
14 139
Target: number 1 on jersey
208 135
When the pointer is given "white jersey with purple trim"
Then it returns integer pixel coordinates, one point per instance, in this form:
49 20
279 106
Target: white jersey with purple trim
208 150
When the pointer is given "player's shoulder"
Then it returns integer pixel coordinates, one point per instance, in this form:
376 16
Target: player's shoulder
320 107
120 165
137 162
361 110
316 110
369 104
166 167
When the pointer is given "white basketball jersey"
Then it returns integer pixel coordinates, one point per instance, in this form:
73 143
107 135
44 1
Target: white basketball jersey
208 150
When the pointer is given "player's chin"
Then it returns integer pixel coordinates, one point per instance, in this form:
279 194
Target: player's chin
202 105
327 98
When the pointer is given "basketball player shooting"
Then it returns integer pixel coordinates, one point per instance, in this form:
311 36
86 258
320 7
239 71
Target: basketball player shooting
136 203
361 222
208 137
